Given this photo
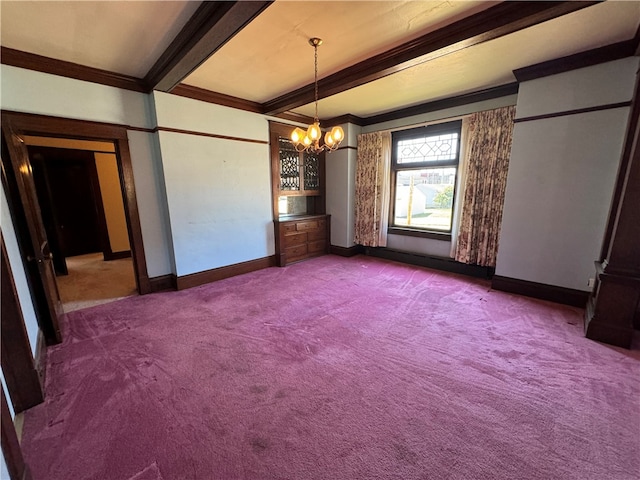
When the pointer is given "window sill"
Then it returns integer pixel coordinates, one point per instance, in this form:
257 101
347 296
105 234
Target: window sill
411 232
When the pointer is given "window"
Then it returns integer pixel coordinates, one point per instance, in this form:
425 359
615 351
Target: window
424 166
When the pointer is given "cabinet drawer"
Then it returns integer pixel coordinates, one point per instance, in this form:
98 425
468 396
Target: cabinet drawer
317 246
319 234
294 252
308 225
297 238
287 228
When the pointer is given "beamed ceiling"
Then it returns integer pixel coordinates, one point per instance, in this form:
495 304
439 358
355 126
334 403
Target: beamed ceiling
377 56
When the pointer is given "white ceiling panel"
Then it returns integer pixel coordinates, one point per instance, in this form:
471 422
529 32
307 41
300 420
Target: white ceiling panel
123 37
486 65
272 56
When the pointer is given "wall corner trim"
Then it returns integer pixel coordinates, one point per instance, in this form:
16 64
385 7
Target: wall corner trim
162 283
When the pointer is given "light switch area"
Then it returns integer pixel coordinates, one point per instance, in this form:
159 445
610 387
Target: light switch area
591 283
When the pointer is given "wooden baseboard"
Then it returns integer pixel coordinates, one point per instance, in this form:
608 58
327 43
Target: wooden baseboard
346 251
162 283
437 263
208 276
108 256
566 296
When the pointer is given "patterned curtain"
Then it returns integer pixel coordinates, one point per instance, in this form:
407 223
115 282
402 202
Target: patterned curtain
488 152
373 171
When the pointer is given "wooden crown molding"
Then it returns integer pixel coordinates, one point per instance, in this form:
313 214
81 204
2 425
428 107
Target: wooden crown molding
494 22
31 61
211 26
208 96
348 118
197 93
588 58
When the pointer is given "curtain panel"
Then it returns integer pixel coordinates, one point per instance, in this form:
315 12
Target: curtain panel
372 186
488 151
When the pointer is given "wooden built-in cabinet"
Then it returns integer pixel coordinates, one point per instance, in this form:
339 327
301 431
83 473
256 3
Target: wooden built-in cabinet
302 237
297 183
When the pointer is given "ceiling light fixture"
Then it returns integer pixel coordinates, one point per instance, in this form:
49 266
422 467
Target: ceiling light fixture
310 140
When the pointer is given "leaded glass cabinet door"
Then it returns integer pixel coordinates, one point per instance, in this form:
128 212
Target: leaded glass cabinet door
296 177
311 171
289 166
299 171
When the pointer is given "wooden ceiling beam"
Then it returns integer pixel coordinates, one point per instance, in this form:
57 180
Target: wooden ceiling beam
494 22
210 27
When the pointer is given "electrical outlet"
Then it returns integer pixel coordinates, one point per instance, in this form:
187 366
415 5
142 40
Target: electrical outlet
591 283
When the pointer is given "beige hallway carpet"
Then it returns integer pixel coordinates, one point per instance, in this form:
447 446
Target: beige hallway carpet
92 281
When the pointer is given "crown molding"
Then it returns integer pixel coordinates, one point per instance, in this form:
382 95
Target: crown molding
208 96
348 118
197 93
31 61
295 117
588 58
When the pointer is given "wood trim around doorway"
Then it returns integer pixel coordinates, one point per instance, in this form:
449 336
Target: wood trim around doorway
42 125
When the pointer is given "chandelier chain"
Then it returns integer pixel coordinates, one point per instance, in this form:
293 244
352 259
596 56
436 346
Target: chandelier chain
315 48
309 140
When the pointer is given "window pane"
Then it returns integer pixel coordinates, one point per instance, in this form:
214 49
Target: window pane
424 198
428 149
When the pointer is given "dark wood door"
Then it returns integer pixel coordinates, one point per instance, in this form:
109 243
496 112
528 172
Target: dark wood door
37 256
19 369
51 223
66 183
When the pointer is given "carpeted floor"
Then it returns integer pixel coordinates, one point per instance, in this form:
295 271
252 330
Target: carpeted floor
92 281
335 368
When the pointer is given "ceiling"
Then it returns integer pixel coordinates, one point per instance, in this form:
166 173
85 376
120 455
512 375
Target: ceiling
268 56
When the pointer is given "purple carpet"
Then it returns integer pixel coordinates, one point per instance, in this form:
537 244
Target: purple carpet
335 368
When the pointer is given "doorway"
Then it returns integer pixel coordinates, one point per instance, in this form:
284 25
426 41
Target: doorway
19 184
83 214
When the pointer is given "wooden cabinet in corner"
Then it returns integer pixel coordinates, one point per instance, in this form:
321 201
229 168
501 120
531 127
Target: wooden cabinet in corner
301 237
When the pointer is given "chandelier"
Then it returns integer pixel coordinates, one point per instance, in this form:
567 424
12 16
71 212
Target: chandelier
310 140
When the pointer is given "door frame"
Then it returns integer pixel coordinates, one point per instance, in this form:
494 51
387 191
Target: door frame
48 126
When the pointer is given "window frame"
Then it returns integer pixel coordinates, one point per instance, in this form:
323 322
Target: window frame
454 126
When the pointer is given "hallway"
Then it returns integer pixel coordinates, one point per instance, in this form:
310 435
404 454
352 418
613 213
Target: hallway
92 281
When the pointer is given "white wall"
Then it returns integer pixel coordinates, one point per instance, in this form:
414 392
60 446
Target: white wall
152 202
35 92
218 189
3 469
340 187
17 269
562 173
